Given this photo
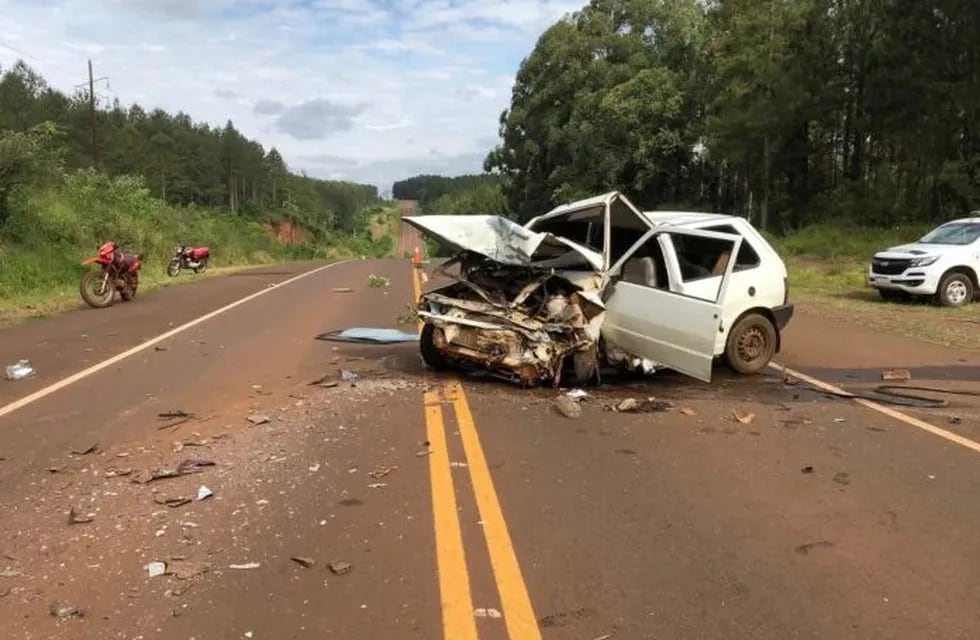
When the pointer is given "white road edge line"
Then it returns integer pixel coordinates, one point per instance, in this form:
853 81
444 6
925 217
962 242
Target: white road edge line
64 382
891 413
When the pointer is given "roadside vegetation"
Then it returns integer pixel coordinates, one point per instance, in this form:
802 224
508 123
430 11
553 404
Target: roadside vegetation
153 180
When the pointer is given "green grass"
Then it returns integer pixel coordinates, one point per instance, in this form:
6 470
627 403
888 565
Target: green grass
828 265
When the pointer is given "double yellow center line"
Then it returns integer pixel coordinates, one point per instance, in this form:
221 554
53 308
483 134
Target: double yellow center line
458 619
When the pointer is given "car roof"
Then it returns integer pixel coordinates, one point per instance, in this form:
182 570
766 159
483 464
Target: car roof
975 220
680 218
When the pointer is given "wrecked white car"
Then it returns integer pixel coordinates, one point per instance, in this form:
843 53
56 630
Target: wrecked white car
599 283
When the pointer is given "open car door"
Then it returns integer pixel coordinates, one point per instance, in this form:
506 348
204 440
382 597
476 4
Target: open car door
646 318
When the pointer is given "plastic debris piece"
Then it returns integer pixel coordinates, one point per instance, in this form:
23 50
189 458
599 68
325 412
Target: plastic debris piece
371 335
567 407
688 412
20 370
303 561
743 417
258 418
486 613
378 281
348 376
381 472
85 450
377 485
576 394
247 565
155 569
63 610
340 568
896 374
174 502
203 493
342 290
74 518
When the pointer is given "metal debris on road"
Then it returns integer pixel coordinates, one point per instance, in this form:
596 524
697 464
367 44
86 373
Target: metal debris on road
955 420
64 611
175 413
20 370
203 493
649 405
247 565
155 569
258 418
342 290
381 472
743 417
896 374
340 568
805 549
184 468
303 562
84 451
486 613
567 407
74 518
369 335
174 502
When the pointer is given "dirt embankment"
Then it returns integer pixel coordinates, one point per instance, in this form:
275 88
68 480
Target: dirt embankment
288 233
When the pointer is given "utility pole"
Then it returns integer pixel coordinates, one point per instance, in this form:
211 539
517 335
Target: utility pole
92 113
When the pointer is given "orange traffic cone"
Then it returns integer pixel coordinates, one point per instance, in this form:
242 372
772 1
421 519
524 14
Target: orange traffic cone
416 259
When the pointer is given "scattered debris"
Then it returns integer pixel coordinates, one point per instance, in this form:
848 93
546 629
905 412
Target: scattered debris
175 413
84 451
74 518
11 573
314 468
64 611
688 412
807 469
840 420
576 394
173 503
340 568
743 417
57 469
185 569
303 562
20 370
159 348
649 405
378 282
423 453
348 376
112 472
342 290
381 472
247 565
565 617
458 464
567 407
258 418
377 485
186 467
486 613
368 335
203 493
896 374
155 569
324 381
805 549
955 420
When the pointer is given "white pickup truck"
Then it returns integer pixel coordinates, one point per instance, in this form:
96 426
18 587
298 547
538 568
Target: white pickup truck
944 264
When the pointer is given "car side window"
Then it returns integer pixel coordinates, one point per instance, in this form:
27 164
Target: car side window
700 258
646 266
747 257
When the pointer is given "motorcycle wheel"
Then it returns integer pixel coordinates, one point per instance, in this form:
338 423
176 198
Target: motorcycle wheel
203 266
131 284
96 290
173 268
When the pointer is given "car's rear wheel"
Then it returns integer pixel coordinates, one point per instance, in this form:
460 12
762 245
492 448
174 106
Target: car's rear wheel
751 344
955 290
430 352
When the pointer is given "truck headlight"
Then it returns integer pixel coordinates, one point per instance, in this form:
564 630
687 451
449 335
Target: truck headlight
923 262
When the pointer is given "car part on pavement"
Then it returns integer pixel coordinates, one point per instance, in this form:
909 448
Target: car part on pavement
368 335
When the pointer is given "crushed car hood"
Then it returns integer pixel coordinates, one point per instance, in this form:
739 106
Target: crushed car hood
504 241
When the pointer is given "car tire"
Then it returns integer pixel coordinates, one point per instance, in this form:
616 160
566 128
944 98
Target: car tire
430 353
751 344
955 290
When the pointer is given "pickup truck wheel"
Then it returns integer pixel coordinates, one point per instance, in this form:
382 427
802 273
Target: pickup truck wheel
430 353
955 290
751 344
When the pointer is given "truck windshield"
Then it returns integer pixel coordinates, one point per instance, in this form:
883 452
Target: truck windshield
960 233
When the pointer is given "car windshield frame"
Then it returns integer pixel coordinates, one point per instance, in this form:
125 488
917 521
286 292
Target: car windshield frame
965 232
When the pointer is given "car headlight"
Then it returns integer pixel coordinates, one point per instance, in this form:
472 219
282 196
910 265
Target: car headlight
923 262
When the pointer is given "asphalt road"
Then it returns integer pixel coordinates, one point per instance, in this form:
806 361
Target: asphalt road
459 508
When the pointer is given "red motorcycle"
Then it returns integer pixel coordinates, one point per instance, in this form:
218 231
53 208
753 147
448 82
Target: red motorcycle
118 271
185 257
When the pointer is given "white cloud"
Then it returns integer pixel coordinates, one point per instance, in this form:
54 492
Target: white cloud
359 89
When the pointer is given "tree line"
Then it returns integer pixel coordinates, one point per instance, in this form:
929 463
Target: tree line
184 163
456 195
789 112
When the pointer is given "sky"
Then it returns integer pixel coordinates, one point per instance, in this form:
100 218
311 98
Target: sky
365 90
